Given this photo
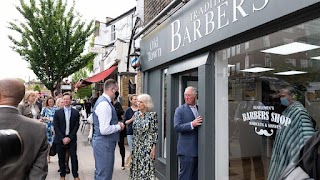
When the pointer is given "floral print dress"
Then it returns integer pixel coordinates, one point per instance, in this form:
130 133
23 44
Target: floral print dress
48 113
145 135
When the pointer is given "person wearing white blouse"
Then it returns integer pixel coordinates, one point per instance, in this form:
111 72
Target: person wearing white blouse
28 106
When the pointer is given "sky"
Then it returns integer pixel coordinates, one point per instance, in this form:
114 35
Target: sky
11 63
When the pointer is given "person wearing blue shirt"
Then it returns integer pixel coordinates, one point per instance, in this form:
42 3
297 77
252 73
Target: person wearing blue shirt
128 121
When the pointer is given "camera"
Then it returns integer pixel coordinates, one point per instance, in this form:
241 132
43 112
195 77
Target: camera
11 147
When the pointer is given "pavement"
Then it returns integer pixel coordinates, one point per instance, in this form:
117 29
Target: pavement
86 161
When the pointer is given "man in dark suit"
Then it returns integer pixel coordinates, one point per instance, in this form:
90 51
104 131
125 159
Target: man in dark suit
33 161
186 122
66 124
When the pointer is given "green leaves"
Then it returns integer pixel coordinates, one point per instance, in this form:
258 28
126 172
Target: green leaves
52 39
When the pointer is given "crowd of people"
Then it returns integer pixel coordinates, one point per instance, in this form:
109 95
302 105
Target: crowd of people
56 123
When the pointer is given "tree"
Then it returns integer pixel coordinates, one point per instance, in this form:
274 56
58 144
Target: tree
85 91
81 74
37 88
52 40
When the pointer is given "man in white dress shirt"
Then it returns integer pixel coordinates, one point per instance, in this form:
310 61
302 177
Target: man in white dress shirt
105 131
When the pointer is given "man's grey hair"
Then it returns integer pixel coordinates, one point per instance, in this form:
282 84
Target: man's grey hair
193 89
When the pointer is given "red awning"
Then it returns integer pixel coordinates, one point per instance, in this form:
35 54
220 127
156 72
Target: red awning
96 78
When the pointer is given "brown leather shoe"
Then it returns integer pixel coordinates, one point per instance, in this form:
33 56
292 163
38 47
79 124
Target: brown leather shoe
76 178
62 178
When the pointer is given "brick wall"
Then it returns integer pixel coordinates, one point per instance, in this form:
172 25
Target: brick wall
139 83
153 8
124 92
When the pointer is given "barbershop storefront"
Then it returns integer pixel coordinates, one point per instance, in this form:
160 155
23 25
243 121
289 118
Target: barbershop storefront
239 54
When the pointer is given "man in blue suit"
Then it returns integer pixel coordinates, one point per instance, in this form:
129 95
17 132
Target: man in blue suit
186 122
66 125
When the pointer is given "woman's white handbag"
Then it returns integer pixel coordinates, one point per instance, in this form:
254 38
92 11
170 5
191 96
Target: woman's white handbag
90 119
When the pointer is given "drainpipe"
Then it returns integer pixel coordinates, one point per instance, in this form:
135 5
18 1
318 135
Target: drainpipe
172 5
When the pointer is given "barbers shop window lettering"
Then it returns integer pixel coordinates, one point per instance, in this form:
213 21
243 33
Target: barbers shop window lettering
262 117
209 17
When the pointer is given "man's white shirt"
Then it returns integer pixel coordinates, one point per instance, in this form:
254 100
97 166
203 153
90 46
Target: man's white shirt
195 113
104 113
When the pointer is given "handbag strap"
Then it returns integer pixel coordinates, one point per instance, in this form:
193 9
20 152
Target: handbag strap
314 144
295 164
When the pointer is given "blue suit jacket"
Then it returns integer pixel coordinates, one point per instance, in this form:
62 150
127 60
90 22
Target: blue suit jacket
59 124
188 137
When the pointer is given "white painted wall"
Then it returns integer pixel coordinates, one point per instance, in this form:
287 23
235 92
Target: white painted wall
140 9
119 51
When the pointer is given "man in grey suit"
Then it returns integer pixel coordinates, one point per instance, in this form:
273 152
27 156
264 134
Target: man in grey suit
33 161
186 122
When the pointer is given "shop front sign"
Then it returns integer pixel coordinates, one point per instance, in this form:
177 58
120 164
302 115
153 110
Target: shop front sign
202 23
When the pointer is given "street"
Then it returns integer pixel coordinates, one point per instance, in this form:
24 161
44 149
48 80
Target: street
86 161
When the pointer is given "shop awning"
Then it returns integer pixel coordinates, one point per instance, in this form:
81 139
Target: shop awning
96 78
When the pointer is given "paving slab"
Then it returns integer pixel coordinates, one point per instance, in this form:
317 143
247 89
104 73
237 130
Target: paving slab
86 161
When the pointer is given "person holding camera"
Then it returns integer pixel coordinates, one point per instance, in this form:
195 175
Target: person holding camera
32 163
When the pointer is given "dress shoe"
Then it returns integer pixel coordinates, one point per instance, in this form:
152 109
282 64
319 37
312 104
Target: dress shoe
62 178
76 178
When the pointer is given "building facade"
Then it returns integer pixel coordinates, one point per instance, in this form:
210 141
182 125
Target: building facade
239 54
112 43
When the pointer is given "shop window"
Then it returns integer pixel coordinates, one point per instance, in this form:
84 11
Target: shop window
238 67
261 124
113 32
233 51
228 52
266 41
238 49
304 63
164 114
247 61
267 60
246 45
291 62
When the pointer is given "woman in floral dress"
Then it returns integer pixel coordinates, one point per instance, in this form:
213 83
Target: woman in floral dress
145 136
47 114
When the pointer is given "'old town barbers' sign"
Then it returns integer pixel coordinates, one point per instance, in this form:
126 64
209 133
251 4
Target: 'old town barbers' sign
201 23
